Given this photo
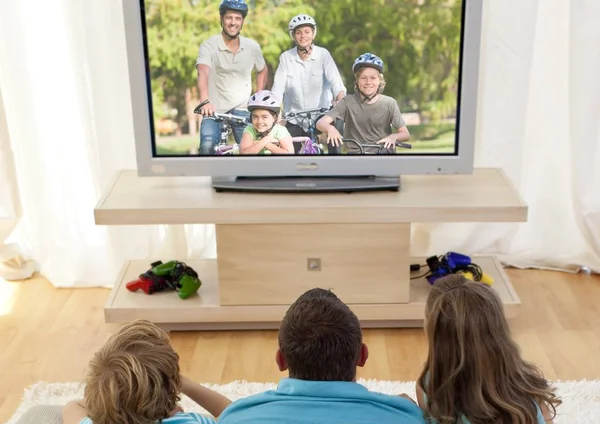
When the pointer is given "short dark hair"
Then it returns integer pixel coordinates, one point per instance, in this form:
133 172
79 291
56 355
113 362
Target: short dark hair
320 338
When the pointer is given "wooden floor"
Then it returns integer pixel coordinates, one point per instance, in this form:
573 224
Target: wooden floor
49 334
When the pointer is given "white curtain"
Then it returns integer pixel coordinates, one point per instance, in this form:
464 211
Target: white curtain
63 75
539 120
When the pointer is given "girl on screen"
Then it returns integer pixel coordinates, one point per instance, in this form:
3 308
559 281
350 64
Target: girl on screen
265 136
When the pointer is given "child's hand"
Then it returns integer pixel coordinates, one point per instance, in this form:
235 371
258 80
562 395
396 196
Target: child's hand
388 141
333 136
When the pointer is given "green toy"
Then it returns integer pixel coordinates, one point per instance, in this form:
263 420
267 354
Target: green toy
173 275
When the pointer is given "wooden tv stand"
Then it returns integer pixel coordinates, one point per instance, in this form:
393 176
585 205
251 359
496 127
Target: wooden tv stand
273 247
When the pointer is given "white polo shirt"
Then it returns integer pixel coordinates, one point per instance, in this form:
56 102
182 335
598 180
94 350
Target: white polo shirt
307 84
230 76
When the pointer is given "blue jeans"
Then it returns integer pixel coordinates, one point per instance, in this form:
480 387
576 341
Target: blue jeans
210 132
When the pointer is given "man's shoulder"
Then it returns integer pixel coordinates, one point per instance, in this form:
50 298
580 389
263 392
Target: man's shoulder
250 42
212 41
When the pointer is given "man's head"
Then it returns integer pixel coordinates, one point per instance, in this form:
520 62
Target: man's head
233 13
320 339
134 378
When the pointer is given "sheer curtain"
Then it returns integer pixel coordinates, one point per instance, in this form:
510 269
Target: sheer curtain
539 121
65 86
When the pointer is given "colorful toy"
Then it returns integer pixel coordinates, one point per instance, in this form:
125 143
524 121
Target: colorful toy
456 263
173 275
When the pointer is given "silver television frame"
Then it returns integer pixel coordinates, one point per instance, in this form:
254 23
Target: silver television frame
305 166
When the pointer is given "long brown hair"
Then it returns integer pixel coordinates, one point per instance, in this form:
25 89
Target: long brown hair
474 369
134 378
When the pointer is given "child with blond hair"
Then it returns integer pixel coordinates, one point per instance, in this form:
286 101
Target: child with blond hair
474 371
135 379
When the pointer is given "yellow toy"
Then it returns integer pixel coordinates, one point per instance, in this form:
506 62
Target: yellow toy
485 278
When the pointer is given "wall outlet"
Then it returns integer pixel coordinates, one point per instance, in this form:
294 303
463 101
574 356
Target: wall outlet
313 264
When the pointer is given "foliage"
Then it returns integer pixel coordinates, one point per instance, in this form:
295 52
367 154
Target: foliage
417 39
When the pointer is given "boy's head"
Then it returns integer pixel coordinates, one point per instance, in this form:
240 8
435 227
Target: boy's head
264 108
320 339
134 377
368 75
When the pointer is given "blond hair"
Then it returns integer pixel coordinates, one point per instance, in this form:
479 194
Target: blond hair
134 378
359 72
474 369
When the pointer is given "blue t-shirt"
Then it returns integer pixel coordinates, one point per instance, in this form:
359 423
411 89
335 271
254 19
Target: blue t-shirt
299 401
179 418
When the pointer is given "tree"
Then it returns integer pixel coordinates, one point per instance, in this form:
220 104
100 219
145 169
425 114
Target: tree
175 30
417 39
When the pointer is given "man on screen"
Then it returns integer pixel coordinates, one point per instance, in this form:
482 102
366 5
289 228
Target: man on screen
225 63
368 115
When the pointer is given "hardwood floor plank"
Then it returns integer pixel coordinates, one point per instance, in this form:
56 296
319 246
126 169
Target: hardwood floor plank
49 334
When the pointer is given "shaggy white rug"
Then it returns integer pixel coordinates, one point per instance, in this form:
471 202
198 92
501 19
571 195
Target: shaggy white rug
581 399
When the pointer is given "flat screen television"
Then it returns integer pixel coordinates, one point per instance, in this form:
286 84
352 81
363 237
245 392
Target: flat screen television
303 94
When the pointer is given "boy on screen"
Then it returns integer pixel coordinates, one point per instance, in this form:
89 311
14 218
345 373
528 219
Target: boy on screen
368 115
225 63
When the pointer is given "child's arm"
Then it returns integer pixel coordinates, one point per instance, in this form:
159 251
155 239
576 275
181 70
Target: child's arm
210 400
74 412
546 413
285 146
249 147
420 397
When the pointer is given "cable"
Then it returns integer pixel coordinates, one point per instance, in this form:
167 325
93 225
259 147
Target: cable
421 276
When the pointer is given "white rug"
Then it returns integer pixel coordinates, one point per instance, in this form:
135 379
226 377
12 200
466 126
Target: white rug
581 399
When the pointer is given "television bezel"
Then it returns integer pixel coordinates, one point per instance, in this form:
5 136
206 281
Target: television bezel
460 162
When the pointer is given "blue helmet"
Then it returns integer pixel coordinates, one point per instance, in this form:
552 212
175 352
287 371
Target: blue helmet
237 5
368 60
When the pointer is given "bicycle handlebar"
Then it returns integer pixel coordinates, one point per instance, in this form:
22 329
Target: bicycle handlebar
306 112
227 116
379 146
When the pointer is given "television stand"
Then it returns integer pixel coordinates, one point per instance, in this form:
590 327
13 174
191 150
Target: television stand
312 184
272 248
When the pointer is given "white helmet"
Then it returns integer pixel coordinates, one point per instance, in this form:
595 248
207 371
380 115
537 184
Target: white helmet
265 99
301 20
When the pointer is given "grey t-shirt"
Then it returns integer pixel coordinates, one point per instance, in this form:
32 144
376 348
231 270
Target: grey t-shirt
368 123
230 77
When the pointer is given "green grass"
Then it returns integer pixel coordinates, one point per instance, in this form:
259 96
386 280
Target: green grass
424 139
177 145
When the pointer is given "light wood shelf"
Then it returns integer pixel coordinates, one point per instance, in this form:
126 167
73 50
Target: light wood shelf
485 196
265 241
203 312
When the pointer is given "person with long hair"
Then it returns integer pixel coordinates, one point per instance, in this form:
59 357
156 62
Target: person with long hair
474 371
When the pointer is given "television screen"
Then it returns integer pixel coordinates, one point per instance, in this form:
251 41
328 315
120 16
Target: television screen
303 77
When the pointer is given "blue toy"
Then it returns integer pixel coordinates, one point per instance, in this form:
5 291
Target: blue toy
455 263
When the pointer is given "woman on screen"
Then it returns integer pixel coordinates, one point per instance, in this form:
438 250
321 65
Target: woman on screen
368 115
306 76
265 136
